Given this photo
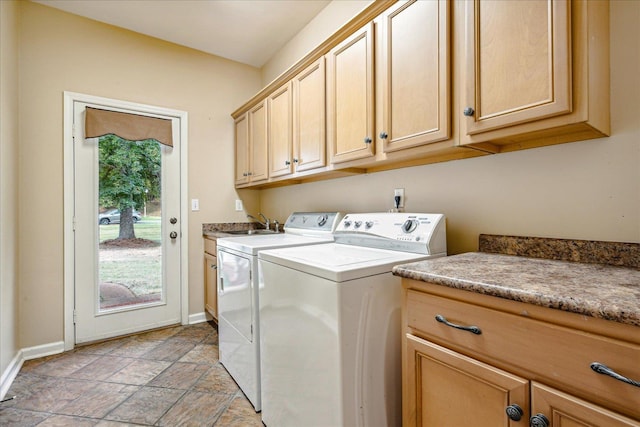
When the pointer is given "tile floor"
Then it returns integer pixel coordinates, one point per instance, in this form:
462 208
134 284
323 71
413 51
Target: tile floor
169 377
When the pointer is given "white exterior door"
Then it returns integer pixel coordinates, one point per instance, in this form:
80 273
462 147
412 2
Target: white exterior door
122 286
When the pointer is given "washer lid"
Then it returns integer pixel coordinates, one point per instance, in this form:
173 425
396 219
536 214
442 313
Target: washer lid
337 262
251 244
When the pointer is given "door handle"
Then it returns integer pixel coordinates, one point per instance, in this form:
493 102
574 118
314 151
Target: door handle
173 235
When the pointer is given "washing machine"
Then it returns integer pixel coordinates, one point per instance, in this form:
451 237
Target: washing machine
238 314
330 321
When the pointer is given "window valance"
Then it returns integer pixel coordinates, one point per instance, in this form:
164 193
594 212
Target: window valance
127 126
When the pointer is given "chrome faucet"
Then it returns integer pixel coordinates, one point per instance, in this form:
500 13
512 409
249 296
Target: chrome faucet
266 222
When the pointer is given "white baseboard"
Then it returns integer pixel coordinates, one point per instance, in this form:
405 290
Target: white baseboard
10 374
43 350
197 318
28 353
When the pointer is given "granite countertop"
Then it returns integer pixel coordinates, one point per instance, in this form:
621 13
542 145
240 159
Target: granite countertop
219 229
596 290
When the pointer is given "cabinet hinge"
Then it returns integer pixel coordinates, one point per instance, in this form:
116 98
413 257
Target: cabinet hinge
75 317
74 223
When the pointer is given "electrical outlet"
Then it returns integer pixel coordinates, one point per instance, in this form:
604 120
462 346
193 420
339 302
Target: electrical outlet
398 192
195 205
239 206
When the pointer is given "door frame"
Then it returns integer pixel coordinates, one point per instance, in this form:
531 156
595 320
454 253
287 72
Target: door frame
69 247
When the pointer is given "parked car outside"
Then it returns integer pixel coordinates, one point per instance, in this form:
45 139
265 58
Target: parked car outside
112 216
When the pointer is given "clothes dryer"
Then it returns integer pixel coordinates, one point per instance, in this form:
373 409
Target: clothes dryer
238 296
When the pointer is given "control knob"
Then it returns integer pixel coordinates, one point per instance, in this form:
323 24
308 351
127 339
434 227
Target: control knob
409 225
347 224
357 224
368 224
322 219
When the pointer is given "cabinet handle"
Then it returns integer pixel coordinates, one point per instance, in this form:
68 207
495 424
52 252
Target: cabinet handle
514 412
287 162
368 140
383 135
221 285
214 267
245 174
473 329
539 420
604 370
468 112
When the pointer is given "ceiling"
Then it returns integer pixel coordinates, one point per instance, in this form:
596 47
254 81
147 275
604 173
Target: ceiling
247 31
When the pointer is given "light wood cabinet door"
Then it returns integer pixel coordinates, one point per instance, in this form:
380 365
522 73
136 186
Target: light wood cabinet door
563 410
443 388
242 149
210 282
516 66
258 149
309 117
350 98
415 74
280 131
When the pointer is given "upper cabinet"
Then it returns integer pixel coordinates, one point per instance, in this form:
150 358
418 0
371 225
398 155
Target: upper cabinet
414 74
280 135
309 117
533 73
412 82
251 146
350 97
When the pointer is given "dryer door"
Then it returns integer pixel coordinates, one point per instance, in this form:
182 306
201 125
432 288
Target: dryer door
234 291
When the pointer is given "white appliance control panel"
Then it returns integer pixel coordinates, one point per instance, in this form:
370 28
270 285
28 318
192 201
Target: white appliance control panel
410 232
311 223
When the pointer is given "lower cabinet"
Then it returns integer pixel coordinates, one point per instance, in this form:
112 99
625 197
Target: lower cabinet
211 277
471 365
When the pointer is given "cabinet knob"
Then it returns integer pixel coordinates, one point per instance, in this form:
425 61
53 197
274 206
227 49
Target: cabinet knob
245 174
383 135
468 112
514 412
287 162
173 235
368 140
295 160
539 420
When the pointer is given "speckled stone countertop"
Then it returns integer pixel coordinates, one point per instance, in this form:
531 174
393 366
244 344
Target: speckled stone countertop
219 229
596 290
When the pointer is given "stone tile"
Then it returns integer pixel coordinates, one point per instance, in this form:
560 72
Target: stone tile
135 348
158 334
216 380
145 406
169 350
203 354
99 401
20 418
64 366
211 339
101 348
196 409
102 368
66 421
239 414
107 423
50 394
139 372
194 334
179 375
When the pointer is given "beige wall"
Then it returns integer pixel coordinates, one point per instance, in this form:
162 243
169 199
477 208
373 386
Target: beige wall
63 52
9 344
327 22
584 190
